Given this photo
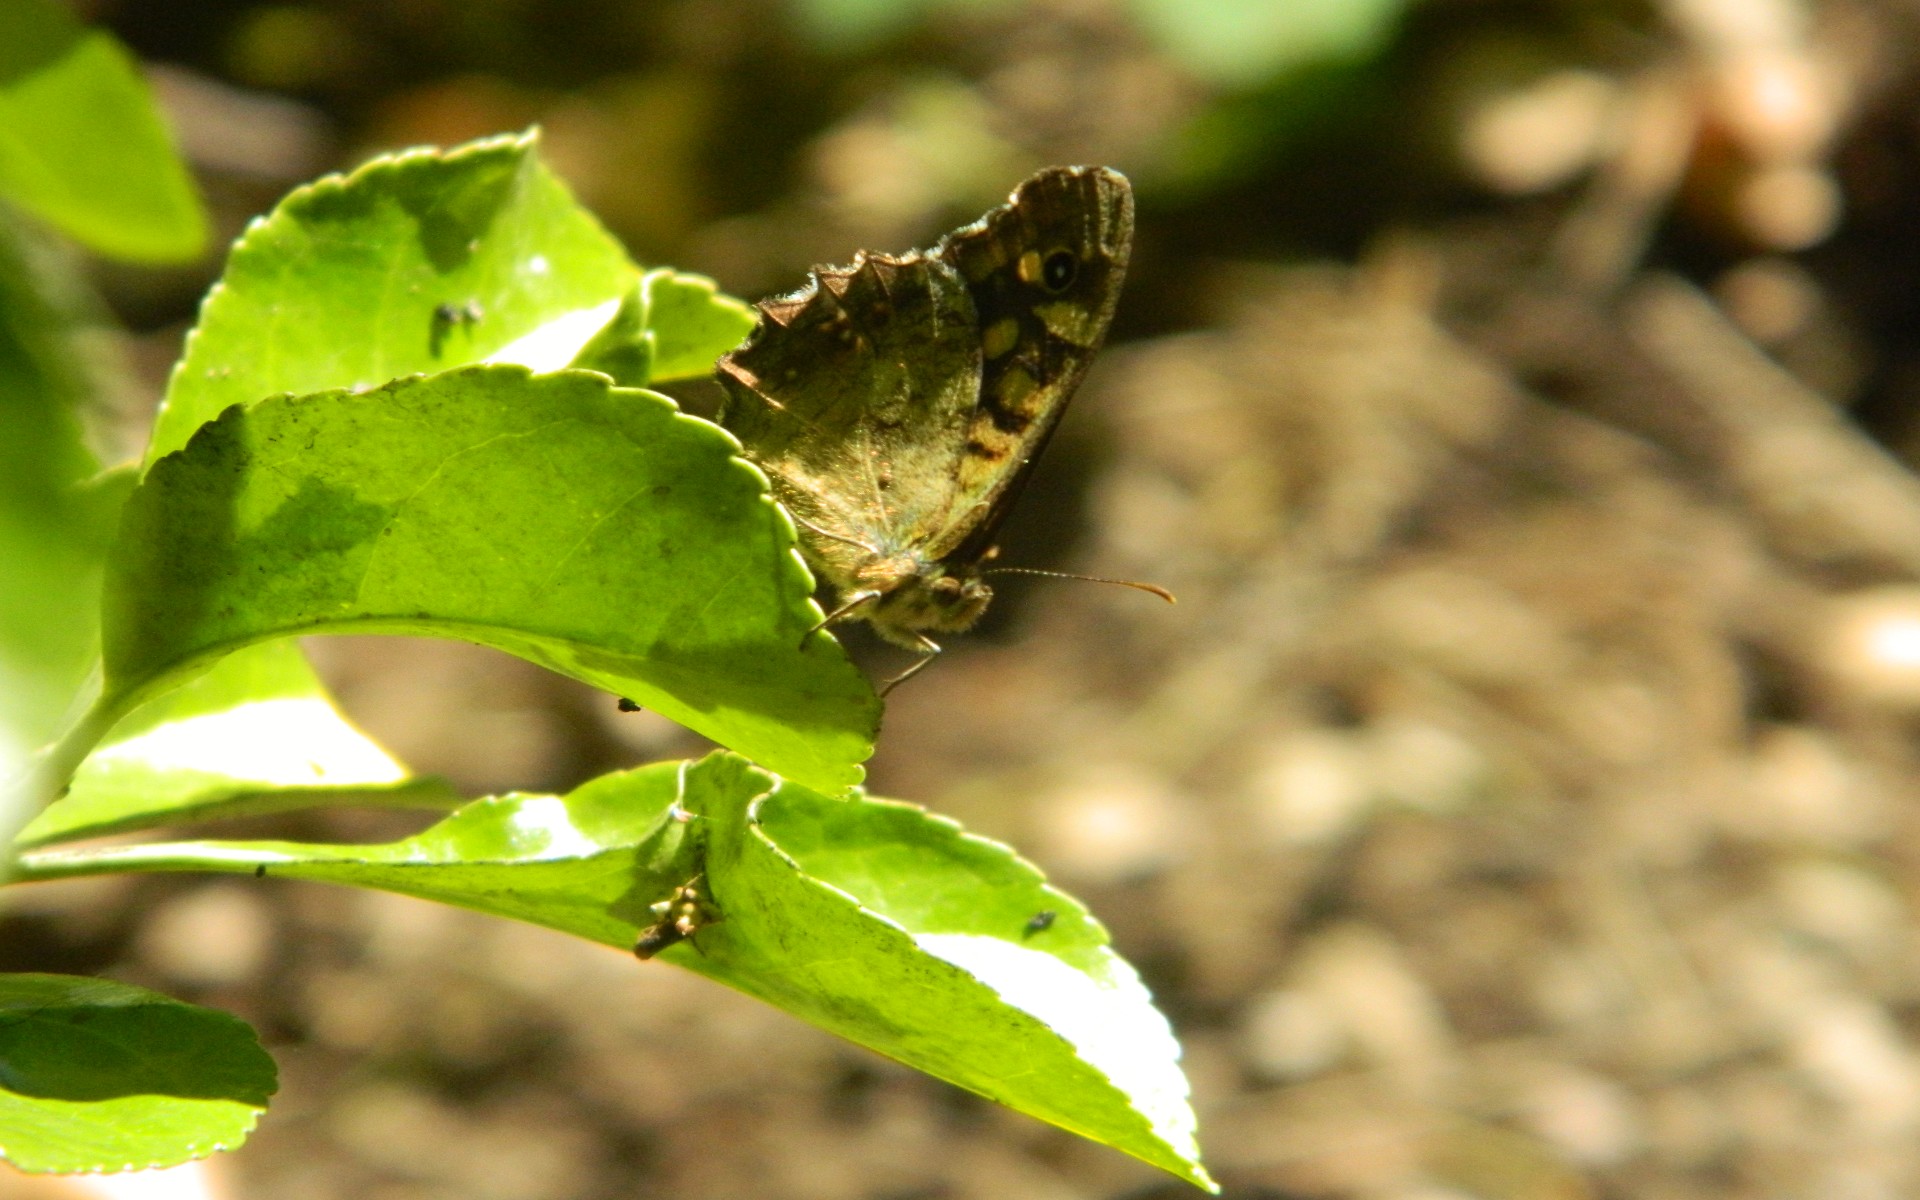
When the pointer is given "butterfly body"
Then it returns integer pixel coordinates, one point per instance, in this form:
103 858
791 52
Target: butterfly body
897 404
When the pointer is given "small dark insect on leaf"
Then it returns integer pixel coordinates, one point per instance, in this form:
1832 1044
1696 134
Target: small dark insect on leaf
448 317
260 872
469 313
627 705
681 915
1040 922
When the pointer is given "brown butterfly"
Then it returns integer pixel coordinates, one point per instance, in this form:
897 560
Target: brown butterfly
897 405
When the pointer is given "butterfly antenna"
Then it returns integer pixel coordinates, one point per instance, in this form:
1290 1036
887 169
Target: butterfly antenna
1161 592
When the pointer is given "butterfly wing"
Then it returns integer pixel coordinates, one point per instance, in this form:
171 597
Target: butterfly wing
898 404
851 393
1044 273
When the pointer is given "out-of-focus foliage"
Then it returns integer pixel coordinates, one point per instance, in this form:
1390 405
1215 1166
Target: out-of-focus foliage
1247 43
81 146
53 526
83 149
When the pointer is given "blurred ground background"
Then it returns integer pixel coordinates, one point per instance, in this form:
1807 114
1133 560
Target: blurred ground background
1523 400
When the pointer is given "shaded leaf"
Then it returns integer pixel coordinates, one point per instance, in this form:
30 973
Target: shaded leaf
100 1076
596 531
691 323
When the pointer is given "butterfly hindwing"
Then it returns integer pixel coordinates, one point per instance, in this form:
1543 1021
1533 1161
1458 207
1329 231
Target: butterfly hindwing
852 395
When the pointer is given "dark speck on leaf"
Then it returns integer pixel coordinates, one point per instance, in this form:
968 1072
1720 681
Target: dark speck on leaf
260 872
627 705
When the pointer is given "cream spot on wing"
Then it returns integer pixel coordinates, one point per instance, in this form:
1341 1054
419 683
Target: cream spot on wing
1000 337
1069 322
1015 387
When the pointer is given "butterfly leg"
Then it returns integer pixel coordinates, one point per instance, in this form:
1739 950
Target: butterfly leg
933 651
845 609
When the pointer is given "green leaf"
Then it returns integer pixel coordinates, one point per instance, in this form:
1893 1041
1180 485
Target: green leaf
1248 43
851 26
255 734
869 918
691 323
671 326
596 531
81 145
1237 135
414 263
896 929
55 523
99 1076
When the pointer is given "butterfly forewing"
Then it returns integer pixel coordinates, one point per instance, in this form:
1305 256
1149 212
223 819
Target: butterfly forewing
1037 338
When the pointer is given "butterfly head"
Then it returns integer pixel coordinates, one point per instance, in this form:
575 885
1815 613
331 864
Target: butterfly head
917 596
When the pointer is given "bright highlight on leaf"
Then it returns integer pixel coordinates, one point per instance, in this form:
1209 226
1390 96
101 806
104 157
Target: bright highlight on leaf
253 735
555 344
262 741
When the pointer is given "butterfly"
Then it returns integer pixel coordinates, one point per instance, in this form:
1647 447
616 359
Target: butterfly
897 405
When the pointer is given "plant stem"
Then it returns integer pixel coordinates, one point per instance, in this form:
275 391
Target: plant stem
46 779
